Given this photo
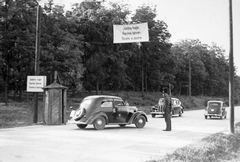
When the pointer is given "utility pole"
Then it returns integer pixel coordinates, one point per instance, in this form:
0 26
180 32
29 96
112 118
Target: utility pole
231 74
37 58
190 77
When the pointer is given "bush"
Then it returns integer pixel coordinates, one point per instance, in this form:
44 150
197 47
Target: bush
217 147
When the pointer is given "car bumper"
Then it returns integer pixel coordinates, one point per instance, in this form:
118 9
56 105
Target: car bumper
213 115
157 113
72 121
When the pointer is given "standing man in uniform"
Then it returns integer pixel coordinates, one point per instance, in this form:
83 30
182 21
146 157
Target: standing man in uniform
167 111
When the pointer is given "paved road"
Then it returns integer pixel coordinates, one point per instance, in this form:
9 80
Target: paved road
67 143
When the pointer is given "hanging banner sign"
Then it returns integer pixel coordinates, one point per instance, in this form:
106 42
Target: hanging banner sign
130 33
36 83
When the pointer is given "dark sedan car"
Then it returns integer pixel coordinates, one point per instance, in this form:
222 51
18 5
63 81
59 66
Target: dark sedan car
101 110
215 109
177 107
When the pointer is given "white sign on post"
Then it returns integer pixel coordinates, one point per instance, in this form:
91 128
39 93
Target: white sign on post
36 83
130 33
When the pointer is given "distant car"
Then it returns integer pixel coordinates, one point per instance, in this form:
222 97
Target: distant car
101 110
177 107
215 109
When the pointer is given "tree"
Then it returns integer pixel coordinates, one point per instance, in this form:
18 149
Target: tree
100 54
209 68
61 47
156 60
16 42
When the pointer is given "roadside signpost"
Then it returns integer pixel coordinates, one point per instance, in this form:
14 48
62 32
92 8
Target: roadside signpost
36 83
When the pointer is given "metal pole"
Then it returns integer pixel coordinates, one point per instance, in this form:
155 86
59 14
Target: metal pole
37 58
231 74
170 88
190 77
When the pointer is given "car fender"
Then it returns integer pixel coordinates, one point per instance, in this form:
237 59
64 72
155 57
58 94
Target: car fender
95 116
136 115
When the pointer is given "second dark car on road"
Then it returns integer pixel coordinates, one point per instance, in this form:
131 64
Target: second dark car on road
177 107
215 109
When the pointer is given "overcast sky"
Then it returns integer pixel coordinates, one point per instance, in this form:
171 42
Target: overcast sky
206 20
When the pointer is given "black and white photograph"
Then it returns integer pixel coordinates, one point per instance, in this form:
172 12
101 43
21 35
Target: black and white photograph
119 80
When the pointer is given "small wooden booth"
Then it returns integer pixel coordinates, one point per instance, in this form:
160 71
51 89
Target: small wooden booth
55 103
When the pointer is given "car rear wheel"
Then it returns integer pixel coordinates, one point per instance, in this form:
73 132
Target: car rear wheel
99 123
82 126
205 116
140 122
153 115
122 125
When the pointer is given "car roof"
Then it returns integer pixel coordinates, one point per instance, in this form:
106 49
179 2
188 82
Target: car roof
102 96
215 101
173 98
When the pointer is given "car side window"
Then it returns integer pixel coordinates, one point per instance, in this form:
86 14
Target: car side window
106 104
118 103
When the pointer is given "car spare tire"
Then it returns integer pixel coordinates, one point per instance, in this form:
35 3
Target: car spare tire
79 114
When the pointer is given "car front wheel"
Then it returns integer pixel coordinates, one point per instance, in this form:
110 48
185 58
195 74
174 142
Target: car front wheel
180 114
140 122
99 123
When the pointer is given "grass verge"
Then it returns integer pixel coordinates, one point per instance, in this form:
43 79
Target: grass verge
218 147
17 114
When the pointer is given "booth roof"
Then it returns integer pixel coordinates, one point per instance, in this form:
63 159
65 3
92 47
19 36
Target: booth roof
55 86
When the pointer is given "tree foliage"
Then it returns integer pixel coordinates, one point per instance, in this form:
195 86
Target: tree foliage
79 45
209 68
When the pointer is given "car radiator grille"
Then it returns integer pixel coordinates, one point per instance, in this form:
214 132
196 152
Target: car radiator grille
160 108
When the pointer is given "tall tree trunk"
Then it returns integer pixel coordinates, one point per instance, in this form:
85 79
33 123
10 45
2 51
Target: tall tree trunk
142 81
146 83
20 95
97 87
6 89
102 88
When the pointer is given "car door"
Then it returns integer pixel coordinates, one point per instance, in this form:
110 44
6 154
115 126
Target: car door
107 108
122 111
114 110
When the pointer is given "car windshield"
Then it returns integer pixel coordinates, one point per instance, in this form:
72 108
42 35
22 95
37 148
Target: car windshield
175 102
160 102
214 105
85 103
